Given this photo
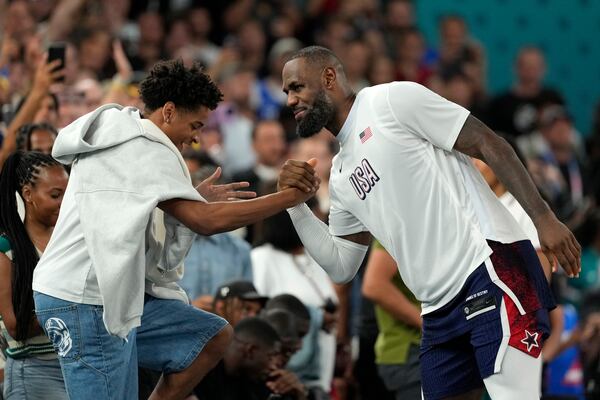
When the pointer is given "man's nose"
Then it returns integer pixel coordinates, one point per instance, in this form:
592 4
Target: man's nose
292 100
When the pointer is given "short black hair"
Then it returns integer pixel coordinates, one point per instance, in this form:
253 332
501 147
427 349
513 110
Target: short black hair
283 321
187 88
291 303
318 56
255 330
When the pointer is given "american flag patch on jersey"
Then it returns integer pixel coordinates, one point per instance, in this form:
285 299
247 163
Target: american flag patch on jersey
365 135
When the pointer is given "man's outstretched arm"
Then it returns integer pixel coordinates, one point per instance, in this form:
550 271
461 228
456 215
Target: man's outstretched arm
477 140
339 256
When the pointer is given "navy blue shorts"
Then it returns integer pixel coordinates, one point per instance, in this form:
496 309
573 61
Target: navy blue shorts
504 302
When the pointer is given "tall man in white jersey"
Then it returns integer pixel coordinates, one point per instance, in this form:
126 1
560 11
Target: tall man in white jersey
403 175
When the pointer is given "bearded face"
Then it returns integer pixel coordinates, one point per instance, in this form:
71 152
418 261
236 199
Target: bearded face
316 117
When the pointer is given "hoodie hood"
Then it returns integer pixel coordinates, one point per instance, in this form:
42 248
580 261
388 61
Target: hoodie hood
119 124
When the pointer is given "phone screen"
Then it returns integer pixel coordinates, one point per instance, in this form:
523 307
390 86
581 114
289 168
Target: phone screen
57 51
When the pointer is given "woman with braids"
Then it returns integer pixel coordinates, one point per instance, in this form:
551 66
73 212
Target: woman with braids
105 289
32 369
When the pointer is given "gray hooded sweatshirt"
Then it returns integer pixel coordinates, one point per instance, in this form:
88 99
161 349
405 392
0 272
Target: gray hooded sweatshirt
111 244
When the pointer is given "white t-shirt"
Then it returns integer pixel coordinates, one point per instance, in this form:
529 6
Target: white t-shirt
397 176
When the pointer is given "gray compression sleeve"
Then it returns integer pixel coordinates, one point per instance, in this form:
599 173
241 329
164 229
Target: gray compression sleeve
340 258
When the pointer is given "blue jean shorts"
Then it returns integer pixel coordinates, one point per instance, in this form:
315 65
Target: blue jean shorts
101 366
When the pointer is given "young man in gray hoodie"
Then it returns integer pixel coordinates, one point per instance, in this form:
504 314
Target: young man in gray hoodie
105 288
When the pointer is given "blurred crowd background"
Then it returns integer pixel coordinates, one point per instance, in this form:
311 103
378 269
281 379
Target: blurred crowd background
529 69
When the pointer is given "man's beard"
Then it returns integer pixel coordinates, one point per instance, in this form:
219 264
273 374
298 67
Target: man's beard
317 117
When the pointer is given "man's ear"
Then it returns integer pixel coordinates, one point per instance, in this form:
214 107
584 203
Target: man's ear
329 77
168 111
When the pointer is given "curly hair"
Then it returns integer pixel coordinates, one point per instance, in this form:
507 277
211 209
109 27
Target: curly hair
187 88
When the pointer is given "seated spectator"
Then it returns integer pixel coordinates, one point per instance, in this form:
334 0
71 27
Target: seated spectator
294 306
237 300
281 381
246 364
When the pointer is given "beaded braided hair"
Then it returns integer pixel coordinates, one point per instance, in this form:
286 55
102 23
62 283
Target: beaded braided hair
20 169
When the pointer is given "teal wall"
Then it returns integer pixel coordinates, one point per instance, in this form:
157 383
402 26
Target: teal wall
567 30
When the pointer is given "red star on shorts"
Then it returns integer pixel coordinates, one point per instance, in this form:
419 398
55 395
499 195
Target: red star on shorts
530 340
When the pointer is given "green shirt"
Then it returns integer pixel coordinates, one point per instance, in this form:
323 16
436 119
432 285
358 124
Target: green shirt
395 337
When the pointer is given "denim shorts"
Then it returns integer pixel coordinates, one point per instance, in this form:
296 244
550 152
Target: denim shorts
31 378
101 366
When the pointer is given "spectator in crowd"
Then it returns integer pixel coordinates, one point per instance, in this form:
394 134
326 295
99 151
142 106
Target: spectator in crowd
45 76
252 45
282 381
235 120
382 71
458 52
246 364
47 112
399 16
410 55
204 50
178 37
269 146
94 51
399 320
36 137
515 111
557 167
270 101
357 57
281 266
268 143
147 49
459 88
291 304
237 300
32 369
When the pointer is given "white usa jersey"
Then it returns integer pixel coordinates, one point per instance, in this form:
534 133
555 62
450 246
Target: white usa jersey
397 177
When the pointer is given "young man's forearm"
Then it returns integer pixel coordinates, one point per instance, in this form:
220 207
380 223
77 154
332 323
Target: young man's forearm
210 218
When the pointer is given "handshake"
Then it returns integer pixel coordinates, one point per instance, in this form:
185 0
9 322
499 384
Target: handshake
299 176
